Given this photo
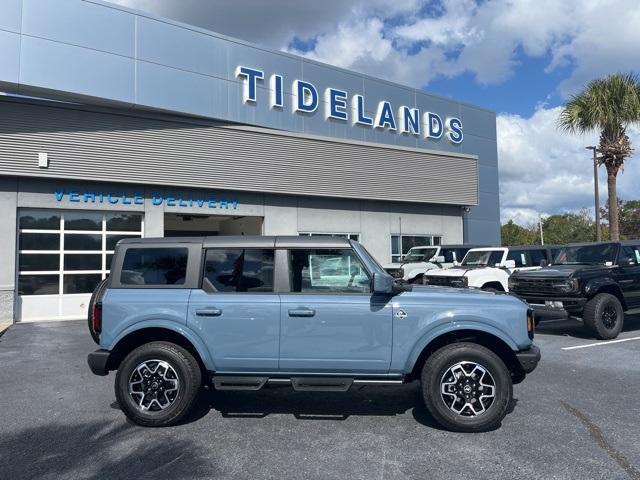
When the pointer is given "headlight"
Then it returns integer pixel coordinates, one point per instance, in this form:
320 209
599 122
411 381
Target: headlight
569 285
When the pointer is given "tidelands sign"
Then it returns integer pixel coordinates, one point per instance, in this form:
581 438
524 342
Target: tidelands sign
340 106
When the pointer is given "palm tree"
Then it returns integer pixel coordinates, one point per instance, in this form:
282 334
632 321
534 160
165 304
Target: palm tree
608 105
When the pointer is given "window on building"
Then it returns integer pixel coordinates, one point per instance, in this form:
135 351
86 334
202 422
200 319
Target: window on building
350 236
154 266
239 270
66 252
401 244
327 271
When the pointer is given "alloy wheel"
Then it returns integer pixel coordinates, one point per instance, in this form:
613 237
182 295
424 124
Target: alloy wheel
468 389
154 385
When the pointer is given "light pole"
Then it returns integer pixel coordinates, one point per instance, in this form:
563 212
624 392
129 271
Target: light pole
597 191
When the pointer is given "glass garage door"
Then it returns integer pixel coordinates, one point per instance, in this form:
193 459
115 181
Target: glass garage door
63 255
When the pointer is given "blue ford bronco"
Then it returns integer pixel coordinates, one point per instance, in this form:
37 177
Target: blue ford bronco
315 313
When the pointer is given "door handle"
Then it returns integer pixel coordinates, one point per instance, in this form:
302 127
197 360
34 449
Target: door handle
209 312
302 312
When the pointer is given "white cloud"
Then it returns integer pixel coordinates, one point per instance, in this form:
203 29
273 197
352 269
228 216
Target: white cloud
543 171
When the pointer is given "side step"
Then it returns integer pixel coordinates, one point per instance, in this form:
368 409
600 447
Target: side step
323 384
224 382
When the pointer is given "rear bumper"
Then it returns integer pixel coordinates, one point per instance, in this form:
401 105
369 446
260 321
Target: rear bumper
529 358
98 362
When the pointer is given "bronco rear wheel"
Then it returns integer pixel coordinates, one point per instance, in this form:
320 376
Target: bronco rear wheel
466 387
157 384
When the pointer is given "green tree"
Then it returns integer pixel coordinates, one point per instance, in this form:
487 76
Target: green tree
565 228
629 218
608 105
514 234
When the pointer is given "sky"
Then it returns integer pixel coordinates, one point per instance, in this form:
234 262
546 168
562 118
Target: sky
520 58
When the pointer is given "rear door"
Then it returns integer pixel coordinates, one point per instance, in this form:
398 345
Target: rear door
331 322
236 311
628 274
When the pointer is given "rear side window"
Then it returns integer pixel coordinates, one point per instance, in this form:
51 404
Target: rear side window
239 270
521 257
629 256
154 266
537 256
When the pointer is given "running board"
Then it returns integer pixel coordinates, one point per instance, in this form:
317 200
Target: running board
300 384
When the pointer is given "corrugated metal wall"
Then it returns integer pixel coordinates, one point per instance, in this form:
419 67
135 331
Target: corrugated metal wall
119 148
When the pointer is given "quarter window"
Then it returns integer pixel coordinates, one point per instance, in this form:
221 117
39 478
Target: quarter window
154 266
327 271
239 270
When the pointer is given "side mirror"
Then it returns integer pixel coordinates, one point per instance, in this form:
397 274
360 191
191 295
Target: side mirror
439 259
456 263
509 264
543 263
382 283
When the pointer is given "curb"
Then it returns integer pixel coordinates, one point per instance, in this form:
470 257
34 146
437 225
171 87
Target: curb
4 326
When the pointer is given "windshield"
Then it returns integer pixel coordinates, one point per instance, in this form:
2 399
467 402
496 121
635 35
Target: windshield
420 255
482 258
587 254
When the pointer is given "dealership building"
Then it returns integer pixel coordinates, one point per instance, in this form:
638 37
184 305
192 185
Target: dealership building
118 124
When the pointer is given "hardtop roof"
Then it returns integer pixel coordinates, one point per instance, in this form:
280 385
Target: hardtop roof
247 241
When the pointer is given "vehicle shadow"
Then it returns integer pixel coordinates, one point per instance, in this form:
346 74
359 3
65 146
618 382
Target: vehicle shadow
98 450
319 406
573 327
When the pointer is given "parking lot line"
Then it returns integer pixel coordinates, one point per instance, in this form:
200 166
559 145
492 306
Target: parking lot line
610 342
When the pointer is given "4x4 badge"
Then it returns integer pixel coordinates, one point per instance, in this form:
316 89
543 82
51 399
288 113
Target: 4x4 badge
400 314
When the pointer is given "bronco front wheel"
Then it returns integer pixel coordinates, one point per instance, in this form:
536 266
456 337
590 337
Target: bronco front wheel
157 384
466 387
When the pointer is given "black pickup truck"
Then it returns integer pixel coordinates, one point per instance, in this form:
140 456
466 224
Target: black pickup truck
595 281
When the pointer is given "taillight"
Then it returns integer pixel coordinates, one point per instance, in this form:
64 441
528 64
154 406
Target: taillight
96 318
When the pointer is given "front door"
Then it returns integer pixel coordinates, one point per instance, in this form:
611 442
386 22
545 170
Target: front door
627 275
331 323
236 312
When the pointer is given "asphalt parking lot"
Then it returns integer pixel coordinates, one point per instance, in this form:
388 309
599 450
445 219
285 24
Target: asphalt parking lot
577 416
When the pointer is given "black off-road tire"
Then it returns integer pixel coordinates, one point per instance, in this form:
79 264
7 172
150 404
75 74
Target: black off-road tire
187 370
603 316
439 363
95 296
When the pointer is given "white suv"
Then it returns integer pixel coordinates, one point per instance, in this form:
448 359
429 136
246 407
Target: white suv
490 268
420 260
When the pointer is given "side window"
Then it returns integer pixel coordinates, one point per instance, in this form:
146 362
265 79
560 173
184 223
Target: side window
629 256
537 256
448 254
521 257
327 271
154 266
239 270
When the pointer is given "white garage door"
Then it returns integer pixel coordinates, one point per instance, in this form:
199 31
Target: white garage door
63 255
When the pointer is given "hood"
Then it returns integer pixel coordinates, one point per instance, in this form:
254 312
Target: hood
392 265
559 271
449 272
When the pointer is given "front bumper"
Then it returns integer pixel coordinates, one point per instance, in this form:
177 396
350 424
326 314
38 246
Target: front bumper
98 362
529 358
553 308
